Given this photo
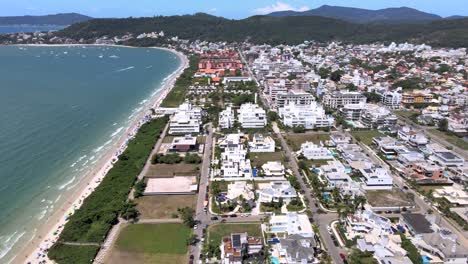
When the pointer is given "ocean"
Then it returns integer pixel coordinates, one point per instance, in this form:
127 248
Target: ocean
27 28
61 108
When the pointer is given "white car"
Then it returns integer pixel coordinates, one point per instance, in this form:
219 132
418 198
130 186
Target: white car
329 229
195 227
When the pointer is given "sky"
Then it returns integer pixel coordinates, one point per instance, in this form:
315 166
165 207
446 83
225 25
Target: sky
235 9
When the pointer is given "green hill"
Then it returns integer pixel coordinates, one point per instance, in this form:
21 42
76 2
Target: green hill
276 30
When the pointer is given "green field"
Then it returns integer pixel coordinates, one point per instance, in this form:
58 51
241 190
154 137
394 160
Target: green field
258 159
169 238
217 232
177 95
457 141
366 136
295 140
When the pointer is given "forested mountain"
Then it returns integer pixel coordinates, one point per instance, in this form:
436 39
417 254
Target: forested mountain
359 15
274 30
58 19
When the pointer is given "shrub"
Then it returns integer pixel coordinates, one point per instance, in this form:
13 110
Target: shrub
192 159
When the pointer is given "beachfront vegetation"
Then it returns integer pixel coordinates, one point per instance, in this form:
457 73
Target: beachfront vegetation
61 253
92 222
171 158
177 95
192 159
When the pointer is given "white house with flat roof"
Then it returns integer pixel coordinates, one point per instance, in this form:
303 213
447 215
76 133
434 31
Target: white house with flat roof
292 224
234 163
335 173
186 120
313 151
377 178
226 118
274 191
252 116
448 159
273 169
261 143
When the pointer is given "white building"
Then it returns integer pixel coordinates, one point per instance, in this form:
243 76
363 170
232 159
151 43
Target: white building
292 224
377 179
335 173
339 99
392 99
312 151
186 120
234 164
226 118
252 116
273 169
309 116
366 221
374 116
297 97
412 137
261 143
274 191
295 249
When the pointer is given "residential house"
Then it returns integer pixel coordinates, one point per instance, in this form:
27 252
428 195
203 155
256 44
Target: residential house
226 118
183 144
186 120
261 143
377 178
252 116
424 172
310 116
239 245
292 224
273 169
312 151
295 249
274 191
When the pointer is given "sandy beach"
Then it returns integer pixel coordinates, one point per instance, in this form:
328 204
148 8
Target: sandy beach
35 251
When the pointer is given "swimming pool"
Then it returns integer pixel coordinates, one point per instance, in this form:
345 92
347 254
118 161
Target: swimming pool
274 260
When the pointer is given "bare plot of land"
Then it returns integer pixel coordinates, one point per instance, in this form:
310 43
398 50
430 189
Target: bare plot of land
163 206
169 170
387 198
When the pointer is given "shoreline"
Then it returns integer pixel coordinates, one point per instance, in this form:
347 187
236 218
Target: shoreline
49 231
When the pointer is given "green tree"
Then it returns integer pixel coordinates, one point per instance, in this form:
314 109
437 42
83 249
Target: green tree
129 211
336 75
443 125
299 129
192 159
140 187
186 214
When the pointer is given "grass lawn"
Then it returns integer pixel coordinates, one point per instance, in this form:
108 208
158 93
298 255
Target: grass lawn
169 170
457 141
163 206
218 231
366 136
169 238
258 159
295 140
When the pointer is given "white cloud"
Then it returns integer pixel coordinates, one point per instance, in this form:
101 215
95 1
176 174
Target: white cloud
213 10
279 6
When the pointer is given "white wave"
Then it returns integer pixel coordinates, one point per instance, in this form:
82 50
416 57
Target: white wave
116 132
114 57
149 67
98 149
107 142
125 69
65 52
43 200
92 158
143 102
61 187
9 242
42 214
58 198
73 165
114 124
101 56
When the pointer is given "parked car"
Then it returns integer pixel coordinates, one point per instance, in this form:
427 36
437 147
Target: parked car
342 256
233 215
214 218
195 227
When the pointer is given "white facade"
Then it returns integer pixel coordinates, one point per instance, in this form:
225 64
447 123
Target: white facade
273 191
377 179
392 99
334 172
339 99
226 118
296 97
252 116
186 120
273 169
291 223
309 116
412 137
234 164
261 143
312 151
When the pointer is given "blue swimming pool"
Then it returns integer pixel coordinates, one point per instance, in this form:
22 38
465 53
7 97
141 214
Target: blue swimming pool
274 260
327 197
426 259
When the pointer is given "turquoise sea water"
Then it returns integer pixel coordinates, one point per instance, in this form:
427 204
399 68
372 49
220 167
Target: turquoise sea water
27 28
61 108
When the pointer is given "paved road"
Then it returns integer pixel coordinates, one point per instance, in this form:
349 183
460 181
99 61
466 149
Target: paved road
201 216
321 220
